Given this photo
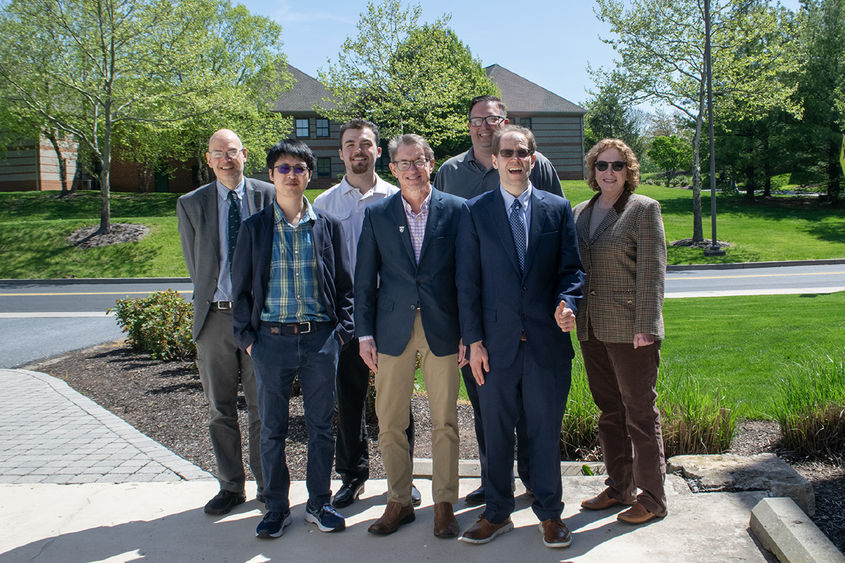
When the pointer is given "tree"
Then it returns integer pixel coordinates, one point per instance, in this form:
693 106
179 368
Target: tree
95 68
671 154
405 76
609 117
822 90
661 48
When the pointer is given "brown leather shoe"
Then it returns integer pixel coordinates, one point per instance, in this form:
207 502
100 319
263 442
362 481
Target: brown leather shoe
445 524
637 514
555 533
394 516
484 531
601 501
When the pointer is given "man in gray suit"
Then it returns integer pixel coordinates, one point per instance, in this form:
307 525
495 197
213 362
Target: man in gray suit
209 220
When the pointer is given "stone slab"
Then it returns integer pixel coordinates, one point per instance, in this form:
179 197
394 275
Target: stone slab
784 529
761 472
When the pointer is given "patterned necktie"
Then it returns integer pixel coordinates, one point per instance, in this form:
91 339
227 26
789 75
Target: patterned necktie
518 231
234 224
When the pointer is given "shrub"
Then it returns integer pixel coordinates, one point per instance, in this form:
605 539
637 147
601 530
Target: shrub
579 433
160 324
811 407
691 418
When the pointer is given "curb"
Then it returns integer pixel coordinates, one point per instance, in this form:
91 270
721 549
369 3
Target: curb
78 281
745 265
671 268
784 529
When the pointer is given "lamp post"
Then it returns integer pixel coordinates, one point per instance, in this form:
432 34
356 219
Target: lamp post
714 249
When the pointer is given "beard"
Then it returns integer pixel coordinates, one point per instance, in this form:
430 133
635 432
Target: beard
359 166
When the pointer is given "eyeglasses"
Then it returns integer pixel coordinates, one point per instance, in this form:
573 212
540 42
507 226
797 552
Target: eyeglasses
508 153
617 165
405 165
492 120
231 153
284 169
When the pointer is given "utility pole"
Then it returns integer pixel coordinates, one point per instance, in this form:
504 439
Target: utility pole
714 249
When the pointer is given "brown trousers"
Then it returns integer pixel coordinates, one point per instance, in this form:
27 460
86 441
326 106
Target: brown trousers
623 384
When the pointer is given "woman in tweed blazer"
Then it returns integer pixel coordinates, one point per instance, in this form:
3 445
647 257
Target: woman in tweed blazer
620 328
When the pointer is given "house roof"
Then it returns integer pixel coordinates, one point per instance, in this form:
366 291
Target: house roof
305 92
523 96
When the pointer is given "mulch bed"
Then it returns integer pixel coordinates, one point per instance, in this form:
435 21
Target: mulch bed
164 400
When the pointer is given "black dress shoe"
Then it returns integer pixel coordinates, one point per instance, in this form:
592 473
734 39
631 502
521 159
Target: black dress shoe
416 497
223 502
348 493
476 497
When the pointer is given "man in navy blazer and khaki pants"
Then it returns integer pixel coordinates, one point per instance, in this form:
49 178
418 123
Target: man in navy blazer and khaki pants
518 270
204 218
406 302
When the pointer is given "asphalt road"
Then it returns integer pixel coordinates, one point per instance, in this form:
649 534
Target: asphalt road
40 319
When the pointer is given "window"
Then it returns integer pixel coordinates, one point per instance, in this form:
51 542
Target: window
322 127
324 166
302 128
525 122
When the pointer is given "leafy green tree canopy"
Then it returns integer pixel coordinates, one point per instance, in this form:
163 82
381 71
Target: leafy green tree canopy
92 68
406 76
671 154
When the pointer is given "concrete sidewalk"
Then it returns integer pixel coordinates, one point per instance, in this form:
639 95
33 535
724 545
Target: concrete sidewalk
80 484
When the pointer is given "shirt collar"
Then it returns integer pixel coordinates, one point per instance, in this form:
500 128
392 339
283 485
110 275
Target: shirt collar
423 208
308 214
523 198
381 187
223 191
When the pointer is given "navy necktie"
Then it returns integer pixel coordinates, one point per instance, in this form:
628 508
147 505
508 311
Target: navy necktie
518 231
234 224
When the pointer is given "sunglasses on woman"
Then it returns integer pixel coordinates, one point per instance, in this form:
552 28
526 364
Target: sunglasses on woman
617 165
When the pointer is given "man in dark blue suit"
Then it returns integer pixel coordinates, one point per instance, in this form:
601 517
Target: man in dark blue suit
406 303
519 272
292 313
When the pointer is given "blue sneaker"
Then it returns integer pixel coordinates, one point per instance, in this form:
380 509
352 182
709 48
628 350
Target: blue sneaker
273 525
326 518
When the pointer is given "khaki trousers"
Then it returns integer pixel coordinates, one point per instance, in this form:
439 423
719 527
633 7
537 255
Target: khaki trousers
394 386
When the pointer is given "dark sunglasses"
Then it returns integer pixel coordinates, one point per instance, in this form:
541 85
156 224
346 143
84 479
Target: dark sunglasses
508 153
284 169
617 165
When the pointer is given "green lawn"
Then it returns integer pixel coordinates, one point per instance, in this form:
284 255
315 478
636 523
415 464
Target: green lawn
34 226
736 348
762 231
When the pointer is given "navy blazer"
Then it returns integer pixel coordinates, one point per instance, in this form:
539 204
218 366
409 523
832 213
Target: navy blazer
390 285
251 273
497 303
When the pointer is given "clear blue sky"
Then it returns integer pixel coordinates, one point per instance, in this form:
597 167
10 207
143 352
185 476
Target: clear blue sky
548 42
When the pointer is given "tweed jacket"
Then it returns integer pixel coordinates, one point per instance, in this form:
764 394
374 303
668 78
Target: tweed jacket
625 262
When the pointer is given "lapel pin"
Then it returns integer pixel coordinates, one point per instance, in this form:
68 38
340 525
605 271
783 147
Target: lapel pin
401 228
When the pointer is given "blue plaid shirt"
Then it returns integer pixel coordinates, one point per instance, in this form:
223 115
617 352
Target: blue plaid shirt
292 292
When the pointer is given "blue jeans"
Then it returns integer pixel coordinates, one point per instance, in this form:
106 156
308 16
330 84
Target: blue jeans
277 359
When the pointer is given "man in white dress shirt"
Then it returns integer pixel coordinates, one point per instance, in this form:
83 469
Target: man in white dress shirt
360 187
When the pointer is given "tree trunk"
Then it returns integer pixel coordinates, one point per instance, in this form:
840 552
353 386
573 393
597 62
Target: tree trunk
146 177
51 135
834 173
